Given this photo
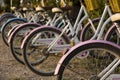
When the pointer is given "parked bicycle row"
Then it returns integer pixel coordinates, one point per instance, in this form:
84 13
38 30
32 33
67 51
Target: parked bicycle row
84 49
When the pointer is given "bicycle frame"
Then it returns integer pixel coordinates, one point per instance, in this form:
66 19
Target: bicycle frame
73 29
98 32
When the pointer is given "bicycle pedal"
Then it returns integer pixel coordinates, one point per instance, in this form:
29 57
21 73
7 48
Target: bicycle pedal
113 77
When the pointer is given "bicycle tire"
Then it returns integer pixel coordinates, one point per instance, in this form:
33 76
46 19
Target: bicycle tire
46 58
86 30
5 17
112 35
7 26
73 53
14 39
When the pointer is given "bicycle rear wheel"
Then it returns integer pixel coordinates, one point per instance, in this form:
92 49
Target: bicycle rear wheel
16 37
87 31
35 49
10 24
76 66
5 17
113 35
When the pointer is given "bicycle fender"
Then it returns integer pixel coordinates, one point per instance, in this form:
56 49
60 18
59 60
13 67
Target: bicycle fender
10 20
81 46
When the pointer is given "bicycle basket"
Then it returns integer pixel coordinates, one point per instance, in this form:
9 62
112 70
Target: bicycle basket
115 5
92 4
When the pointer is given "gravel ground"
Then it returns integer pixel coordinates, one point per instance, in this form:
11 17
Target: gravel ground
10 69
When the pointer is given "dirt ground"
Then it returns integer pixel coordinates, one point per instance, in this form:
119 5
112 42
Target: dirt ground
10 69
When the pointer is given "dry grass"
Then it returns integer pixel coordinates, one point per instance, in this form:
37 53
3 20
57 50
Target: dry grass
10 69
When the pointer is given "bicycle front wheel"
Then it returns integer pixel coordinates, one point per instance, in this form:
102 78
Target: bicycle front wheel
77 64
36 49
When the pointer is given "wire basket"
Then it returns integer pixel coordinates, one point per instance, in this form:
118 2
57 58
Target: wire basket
92 4
115 5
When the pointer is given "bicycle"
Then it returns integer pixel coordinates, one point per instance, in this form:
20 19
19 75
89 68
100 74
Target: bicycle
43 40
90 67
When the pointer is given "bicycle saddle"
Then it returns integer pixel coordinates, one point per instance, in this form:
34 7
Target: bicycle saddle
13 8
24 8
57 10
115 17
39 9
